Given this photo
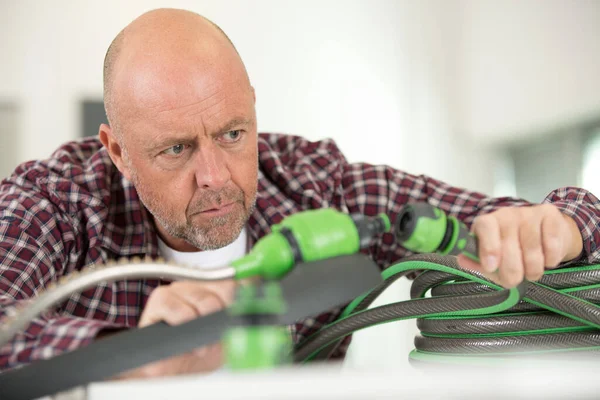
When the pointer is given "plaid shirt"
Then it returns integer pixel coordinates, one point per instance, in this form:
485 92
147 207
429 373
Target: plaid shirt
75 209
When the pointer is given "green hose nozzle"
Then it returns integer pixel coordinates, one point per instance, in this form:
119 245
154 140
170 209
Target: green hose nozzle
423 228
309 236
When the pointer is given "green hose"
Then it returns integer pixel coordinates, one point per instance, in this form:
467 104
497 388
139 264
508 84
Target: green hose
467 318
482 321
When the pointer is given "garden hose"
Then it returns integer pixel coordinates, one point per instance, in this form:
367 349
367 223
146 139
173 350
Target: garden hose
307 290
303 237
468 318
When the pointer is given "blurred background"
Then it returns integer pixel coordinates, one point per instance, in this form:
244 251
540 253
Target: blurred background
502 97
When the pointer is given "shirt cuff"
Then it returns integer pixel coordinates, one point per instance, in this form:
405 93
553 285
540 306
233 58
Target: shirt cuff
586 221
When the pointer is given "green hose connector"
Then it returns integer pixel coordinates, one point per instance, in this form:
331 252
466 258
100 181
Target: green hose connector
257 347
249 302
257 342
423 228
308 236
270 258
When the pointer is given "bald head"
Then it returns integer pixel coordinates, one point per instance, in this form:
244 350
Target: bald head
160 41
183 126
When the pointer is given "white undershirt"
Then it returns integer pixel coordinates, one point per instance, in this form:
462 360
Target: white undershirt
208 258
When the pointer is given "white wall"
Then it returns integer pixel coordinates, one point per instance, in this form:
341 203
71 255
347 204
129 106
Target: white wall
412 75
367 74
527 66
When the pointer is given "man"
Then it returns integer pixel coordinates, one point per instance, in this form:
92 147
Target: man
182 173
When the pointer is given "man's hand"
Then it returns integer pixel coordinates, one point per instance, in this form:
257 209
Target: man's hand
517 243
177 303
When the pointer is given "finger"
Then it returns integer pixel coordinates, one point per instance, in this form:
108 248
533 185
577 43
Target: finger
204 359
168 367
204 301
156 369
468 264
552 226
487 230
511 272
208 358
530 236
224 290
165 305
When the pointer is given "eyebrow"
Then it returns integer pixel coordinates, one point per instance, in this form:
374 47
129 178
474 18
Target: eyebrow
239 121
172 141
184 139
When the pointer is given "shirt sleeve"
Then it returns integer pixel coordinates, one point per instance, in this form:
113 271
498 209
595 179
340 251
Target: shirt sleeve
36 242
371 189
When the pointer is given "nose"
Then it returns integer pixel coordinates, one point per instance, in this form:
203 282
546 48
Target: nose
212 171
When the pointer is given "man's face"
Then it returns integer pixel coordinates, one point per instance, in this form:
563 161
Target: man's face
191 151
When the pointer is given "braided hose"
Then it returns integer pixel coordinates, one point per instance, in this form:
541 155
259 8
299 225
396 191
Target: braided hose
559 313
76 282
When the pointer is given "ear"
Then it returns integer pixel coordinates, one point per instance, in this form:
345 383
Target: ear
253 94
108 139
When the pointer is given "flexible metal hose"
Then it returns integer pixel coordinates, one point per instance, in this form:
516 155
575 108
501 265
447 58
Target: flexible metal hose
77 281
558 313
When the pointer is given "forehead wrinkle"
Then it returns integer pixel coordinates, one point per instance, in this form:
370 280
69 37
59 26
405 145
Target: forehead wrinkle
167 93
195 107
153 87
208 109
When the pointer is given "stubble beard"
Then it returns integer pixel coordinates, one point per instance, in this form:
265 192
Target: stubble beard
216 232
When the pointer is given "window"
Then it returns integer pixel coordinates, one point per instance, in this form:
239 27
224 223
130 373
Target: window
590 173
532 168
9 138
93 116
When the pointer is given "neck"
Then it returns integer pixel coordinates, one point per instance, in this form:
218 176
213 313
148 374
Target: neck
173 242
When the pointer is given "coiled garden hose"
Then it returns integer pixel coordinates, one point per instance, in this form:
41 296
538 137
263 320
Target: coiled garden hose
466 315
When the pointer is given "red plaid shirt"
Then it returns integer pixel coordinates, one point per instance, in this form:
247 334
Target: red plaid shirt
75 209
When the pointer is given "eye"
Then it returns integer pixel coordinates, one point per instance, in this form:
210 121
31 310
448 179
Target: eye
232 136
175 150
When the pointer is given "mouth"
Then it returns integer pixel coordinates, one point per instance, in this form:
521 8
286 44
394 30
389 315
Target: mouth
216 210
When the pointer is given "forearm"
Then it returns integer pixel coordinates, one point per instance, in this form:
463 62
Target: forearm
48 336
